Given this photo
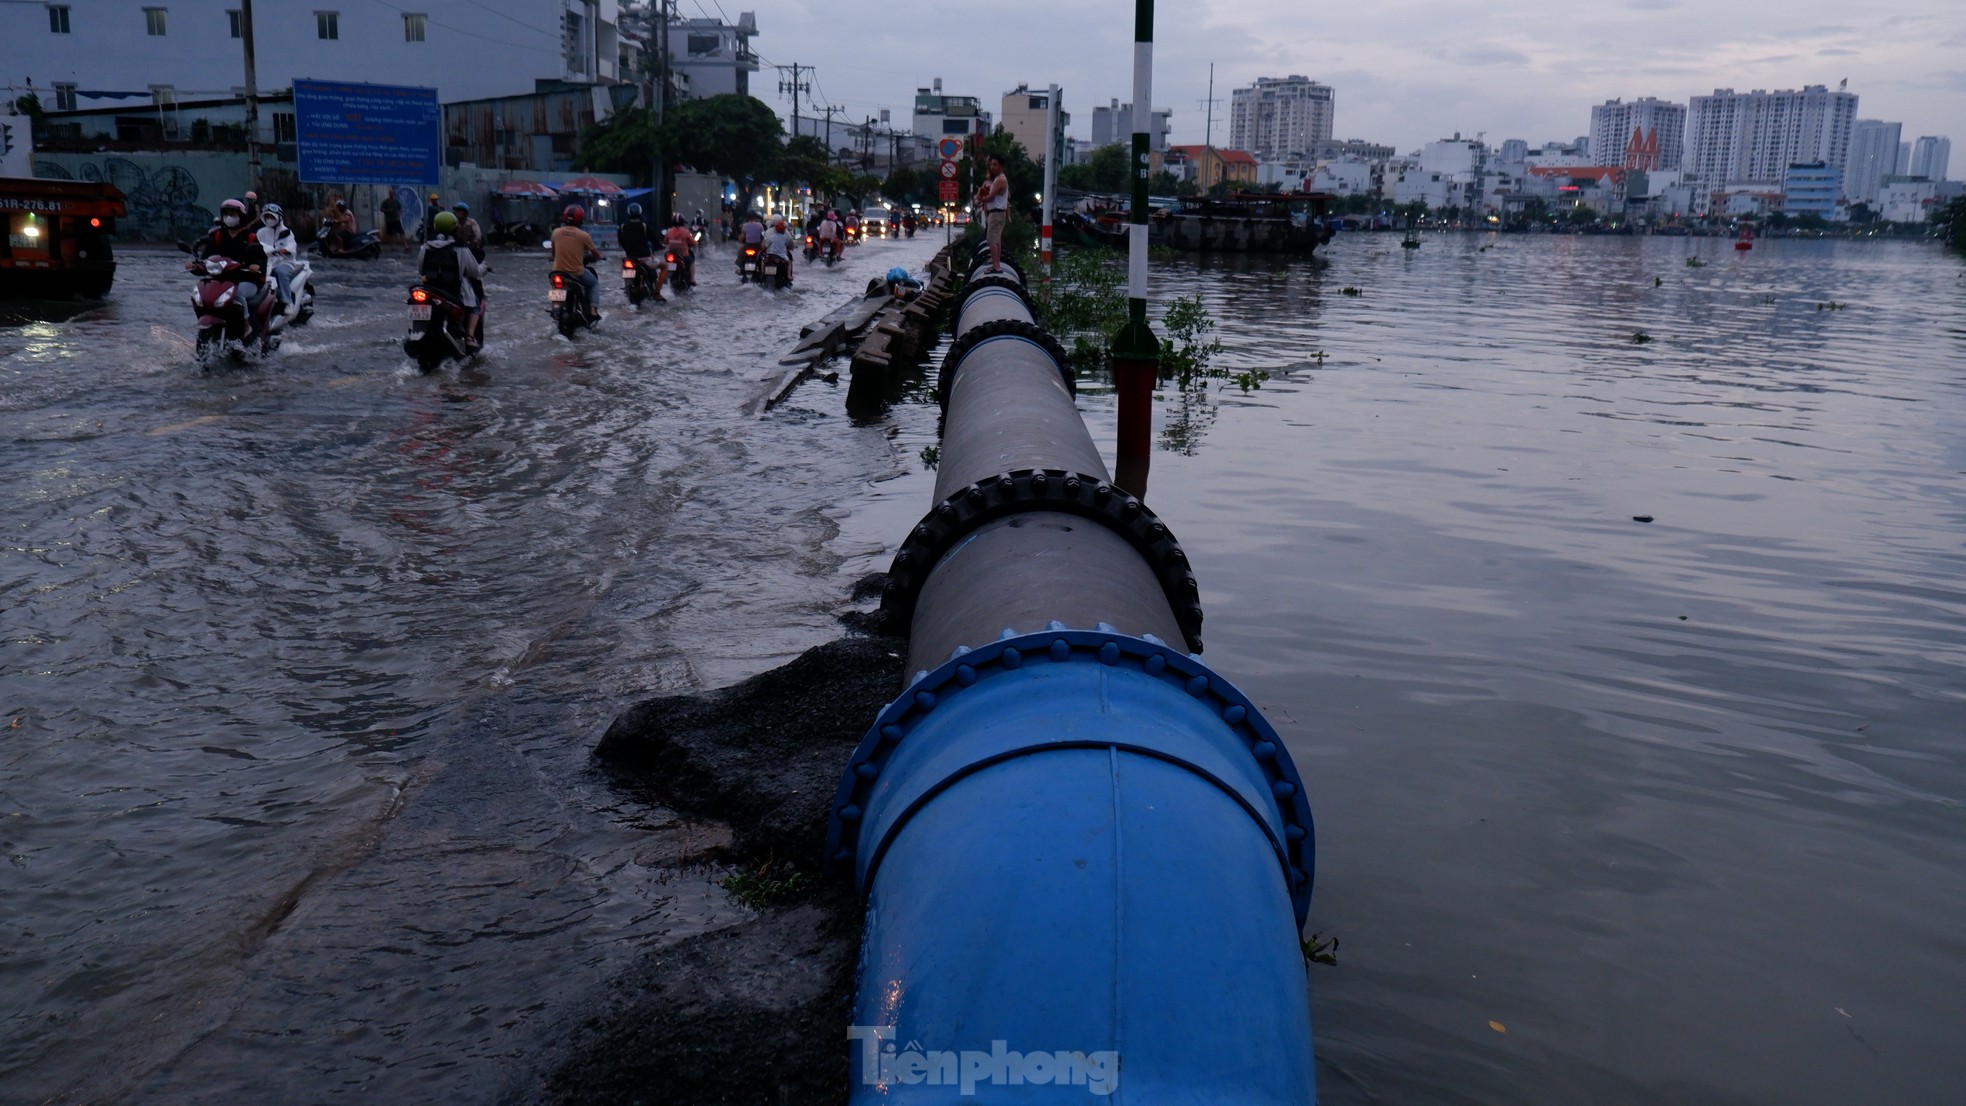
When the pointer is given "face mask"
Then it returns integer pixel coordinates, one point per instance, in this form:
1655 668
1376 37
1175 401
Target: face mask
230 220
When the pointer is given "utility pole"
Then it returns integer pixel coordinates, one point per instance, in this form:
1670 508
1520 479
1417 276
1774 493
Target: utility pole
252 97
1135 352
794 86
1208 128
665 177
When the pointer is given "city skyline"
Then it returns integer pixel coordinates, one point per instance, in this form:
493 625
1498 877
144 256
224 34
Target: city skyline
1420 71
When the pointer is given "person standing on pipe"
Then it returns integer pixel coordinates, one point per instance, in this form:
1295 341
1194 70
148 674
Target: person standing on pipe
994 199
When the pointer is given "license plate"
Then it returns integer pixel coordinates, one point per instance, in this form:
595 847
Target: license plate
420 311
750 267
557 295
672 266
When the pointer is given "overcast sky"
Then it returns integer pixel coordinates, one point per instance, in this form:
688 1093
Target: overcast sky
1405 72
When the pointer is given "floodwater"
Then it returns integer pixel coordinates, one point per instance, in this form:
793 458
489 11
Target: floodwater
308 661
303 664
1608 811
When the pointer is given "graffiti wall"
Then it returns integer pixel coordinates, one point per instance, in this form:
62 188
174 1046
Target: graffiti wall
171 196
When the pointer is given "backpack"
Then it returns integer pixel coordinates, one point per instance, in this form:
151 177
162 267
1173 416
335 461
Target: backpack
441 270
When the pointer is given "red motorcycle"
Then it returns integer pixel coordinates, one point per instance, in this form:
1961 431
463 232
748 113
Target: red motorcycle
226 322
747 265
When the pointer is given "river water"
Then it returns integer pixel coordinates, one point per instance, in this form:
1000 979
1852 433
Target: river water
303 665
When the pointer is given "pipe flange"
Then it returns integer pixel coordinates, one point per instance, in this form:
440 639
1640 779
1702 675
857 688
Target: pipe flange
1056 644
1002 328
1023 490
983 259
980 283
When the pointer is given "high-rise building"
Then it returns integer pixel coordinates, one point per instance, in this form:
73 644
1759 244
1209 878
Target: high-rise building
1873 156
1025 115
1114 123
1280 117
1929 156
1756 136
1645 134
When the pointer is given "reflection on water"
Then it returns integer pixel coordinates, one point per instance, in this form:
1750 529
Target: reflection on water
304 662
1676 804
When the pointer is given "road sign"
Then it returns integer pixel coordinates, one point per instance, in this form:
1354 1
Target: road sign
947 190
948 170
950 148
352 133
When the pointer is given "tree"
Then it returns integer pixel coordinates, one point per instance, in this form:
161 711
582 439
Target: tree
624 142
804 161
908 186
731 135
1026 178
1104 171
1951 223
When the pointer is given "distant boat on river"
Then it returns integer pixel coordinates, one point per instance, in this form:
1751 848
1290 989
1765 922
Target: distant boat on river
1746 240
1241 222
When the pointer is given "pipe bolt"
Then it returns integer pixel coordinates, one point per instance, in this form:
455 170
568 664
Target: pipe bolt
1234 715
1061 650
1264 750
867 770
1012 658
1198 685
850 813
1156 665
890 733
925 700
1283 789
965 675
1109 653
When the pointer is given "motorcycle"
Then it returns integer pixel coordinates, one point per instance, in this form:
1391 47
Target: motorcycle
567 302
366 246
829 251
514 233
226 322
639 282
682 270
773 272
851 236
300 289
439 327
747 265
908 227
812 249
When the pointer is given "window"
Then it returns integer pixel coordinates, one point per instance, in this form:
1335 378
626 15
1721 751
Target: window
238 21
153 20
58 19
64 97
283 126
704 46
413 26
327 25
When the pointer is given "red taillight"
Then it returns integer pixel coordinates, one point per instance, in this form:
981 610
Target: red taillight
418 295
670 258
627 264
750 251
559 280
95 222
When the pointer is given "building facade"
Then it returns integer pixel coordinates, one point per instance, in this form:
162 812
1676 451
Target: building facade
1873 157
81 55
1114 123
1929 157
1280 117
1812 188
1651 133
711 57
1026 114
937 115
1755 136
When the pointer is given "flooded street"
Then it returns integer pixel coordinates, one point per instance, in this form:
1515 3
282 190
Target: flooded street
1611 606
304 664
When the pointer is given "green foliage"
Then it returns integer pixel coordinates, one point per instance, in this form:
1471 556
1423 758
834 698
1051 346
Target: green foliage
1951 222
730 135
1104 171
625 142
1319 950
803 161
770 884
1184 354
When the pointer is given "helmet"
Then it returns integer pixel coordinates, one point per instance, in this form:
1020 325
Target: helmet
253 196
634 211
445 222
341 204
461 208
232 205
676 220
574 214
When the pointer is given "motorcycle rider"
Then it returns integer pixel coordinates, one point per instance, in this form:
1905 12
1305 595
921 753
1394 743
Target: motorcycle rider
829 231
469 234
637 245
277 239
234 239
342 222
752 233
572 250
682 243
778 244
445 265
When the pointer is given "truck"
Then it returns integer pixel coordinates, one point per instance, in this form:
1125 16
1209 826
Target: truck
58 237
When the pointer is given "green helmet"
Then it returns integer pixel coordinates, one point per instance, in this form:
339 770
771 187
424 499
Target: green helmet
445 222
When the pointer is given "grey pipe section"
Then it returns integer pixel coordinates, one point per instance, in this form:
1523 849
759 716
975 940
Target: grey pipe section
1009 410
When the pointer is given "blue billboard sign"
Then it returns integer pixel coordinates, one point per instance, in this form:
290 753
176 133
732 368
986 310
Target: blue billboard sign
346 132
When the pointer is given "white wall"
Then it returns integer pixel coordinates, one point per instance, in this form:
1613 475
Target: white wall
472 49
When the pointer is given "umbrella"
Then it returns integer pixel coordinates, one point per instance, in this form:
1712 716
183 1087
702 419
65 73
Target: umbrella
530 188
594 185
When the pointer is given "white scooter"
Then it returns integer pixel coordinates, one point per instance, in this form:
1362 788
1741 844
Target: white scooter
300 284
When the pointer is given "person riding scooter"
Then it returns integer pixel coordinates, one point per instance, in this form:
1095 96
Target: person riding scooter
278 241
638 245
682 243
444 264
572 250
233 238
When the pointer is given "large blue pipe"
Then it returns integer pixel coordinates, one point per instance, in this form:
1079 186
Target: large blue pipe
1086 858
